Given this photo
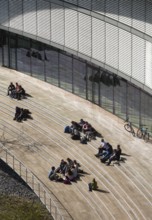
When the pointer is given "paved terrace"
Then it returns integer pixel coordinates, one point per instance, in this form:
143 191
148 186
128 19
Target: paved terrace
125 191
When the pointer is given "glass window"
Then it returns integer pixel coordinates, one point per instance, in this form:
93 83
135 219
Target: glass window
1 45
65 72
5 49
106 91
146 113
89 78
13 50
37 60
52 65
23 55
93 84
79 78
133 104
120 89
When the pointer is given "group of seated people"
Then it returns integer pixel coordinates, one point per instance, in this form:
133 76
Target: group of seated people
16 91
67 171
21 114
81 130
107 154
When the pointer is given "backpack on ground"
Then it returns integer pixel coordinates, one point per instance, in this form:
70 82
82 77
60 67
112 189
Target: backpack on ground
67 129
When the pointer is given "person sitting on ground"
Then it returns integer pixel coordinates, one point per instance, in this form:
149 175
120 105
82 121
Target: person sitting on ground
85 127
81 123
70 162
103 146
75 135
11 87
107 153
91 133
83 139
14 92
20 93
52 174
115 156
17 113
74 125
72 173
63 167
22 114
93 185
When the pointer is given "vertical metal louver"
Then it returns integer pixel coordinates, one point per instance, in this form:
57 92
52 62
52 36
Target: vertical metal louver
149 18
138 15
15 14
138 58
112 9
125 12
98 6
43 19
85 4
4 12
125 52
112 45
71 29
85 34
29 16
148 65
98 39
57 24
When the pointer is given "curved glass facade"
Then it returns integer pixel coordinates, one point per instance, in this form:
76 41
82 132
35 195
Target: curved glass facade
77 76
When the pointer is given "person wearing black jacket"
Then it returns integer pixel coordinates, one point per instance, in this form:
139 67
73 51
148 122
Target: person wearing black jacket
115 156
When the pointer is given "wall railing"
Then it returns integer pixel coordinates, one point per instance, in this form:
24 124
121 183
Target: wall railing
33 182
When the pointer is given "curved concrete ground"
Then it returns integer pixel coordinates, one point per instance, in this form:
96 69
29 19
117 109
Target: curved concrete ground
125 191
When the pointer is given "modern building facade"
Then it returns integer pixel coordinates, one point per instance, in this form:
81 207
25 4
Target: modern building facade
100 50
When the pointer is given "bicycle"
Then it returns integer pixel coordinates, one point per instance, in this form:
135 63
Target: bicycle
143 133
128 127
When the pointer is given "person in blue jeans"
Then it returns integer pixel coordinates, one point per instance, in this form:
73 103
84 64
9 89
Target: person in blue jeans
107 153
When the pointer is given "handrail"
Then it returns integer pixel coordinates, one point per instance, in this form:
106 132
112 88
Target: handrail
35 184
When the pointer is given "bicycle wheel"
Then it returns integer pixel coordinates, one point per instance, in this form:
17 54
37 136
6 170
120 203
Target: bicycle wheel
128 128
146 137
133 132
139 133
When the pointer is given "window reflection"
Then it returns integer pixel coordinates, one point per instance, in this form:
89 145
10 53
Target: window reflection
77 76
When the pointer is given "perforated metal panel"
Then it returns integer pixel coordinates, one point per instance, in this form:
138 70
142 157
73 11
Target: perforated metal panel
112 45
138 15
29 16
148 65
125 12
98 6
125 52
4 12
98 39
57 23
71 29
112 9
72 1
85 34
15 14
149 18
138 58
43 19
85 4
